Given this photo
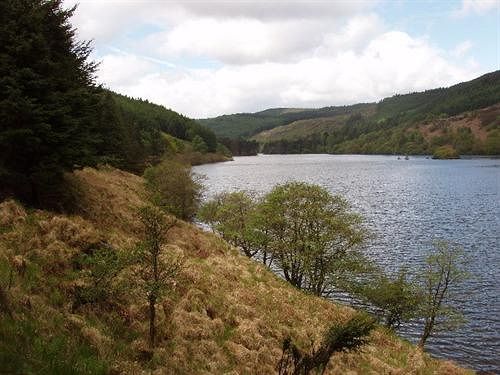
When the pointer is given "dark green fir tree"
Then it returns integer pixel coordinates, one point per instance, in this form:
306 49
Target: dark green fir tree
48 100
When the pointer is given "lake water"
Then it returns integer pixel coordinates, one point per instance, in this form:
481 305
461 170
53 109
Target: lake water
406 205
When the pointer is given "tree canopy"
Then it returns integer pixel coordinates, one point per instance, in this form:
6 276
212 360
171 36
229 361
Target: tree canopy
312 238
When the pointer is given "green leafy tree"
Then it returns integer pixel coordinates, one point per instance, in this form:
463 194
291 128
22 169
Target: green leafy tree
312 234
199 144
445 268
174 188
232 215
47 99
157 268
396 300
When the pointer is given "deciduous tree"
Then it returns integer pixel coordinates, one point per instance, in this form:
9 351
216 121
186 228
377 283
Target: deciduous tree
312 234
445 268
157 267
174 188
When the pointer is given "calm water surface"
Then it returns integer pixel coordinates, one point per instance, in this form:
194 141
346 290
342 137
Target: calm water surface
406 205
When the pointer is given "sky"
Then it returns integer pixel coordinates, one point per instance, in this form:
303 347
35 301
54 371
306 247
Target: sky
211 57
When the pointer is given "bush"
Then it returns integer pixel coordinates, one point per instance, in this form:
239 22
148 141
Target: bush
338 338
100 268
231 215
174 188
445 152
396 300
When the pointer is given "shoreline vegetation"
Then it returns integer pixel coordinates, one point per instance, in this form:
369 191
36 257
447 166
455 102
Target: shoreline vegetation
222 312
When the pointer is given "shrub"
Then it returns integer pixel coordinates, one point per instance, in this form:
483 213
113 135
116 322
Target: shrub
338 338
396 300
173 187
157 270
445 152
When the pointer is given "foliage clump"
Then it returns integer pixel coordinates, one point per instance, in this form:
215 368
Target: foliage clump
173 187
395 300
310 236
445 152
338 338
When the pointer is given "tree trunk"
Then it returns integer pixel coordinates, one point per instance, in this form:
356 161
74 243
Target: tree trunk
429 325
4 303
152 318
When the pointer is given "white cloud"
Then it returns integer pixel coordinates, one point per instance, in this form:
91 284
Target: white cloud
105 19
263 53
469 7
392 62
355 34
121 70
462 48
241 41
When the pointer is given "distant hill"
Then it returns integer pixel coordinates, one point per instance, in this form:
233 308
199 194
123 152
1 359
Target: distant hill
464 116
248 124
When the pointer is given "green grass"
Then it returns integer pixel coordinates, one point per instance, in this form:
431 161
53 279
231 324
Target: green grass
36 352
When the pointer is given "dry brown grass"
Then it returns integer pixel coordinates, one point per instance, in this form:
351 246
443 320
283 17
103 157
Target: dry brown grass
108 197
226 315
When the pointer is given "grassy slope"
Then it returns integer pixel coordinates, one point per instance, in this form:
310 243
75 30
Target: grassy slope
226 314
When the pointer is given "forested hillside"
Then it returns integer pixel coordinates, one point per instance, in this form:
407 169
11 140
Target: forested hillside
248 124
470 133
140 128
55 117
464 116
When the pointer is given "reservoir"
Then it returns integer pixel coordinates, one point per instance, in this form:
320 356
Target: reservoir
406 204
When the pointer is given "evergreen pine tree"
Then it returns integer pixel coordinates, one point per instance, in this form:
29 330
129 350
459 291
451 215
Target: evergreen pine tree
47 100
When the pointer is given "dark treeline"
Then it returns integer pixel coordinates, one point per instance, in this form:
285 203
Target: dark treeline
467 96
138 128
55 118
240 146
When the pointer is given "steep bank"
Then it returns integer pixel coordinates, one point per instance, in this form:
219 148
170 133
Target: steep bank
225 314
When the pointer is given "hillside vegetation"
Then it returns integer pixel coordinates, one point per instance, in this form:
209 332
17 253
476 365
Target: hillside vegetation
464 116
470 133
247 124
224 314
145 131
